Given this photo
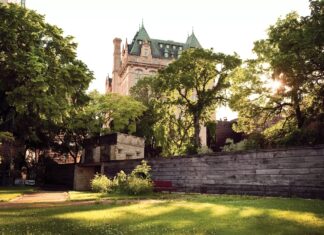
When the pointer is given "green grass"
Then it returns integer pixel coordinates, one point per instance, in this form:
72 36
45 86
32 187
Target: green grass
180 214
9 193
92 196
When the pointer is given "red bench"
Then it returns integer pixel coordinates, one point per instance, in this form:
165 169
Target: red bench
162 185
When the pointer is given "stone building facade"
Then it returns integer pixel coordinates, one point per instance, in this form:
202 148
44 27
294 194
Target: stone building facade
142 57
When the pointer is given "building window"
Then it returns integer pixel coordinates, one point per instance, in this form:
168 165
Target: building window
166 54
161 45
167 46
180 48
174 47
138 74
140 42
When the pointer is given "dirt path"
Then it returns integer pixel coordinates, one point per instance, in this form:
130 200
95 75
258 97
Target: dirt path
46 199
41 196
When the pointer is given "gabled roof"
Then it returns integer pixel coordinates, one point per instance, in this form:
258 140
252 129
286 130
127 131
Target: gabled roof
192 42
160 47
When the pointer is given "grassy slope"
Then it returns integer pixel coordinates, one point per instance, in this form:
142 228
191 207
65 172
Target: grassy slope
8 193
185 214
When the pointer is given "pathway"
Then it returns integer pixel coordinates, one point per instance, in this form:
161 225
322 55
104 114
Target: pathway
41 196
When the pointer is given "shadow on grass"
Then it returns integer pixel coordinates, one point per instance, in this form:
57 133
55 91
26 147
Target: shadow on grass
194 216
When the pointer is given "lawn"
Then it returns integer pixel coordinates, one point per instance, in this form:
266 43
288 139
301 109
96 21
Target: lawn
9 193
179 214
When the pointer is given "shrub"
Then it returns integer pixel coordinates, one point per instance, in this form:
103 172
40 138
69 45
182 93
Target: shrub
120 182
138 186
204 150
253 142
142 170
100 183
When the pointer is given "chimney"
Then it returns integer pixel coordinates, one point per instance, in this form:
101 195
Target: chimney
117 54
116 65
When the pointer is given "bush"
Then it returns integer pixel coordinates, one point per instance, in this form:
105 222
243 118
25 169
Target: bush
253 142
136 183
142 170
138 186
204 150
100 183
120 182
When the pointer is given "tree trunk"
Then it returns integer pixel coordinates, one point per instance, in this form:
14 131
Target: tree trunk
197 131
299 115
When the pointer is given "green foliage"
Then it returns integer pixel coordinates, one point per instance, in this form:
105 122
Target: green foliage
204 150
139 186
115 112
254 141
292 55
6 136
41 79
101 183
120 182
196 83
142 170
182 97
138 182
103 114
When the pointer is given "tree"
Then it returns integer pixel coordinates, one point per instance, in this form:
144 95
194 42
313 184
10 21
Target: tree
165 127
41 79
292 55
103 114
196 83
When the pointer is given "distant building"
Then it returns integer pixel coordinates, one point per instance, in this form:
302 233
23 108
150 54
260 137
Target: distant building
143 57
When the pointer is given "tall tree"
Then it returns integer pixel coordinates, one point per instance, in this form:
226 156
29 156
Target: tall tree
196 82
41 79
292 56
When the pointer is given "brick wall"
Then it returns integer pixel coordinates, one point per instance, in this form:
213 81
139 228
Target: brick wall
285 172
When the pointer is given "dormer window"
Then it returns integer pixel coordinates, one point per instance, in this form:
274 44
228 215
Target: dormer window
161 45
174 47
180 48
140 42
167 46
166 54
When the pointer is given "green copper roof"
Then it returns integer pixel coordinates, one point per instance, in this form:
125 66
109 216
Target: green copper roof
192 42
161 48
142 34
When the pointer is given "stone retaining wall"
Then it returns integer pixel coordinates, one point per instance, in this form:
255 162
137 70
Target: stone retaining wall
284 172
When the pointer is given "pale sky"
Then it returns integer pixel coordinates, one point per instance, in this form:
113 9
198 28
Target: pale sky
225 25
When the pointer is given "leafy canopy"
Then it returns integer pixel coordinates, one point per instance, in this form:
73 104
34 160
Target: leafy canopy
41 79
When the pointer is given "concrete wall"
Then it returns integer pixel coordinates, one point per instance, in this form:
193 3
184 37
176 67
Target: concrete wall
82 177
286 172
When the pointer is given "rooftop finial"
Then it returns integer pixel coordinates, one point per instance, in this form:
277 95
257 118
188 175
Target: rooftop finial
192 30
142 23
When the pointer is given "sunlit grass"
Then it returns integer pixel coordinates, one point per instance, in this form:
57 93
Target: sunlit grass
88 196
183 214
9 193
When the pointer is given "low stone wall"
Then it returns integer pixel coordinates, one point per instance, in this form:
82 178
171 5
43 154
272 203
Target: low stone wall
284 172
82 177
